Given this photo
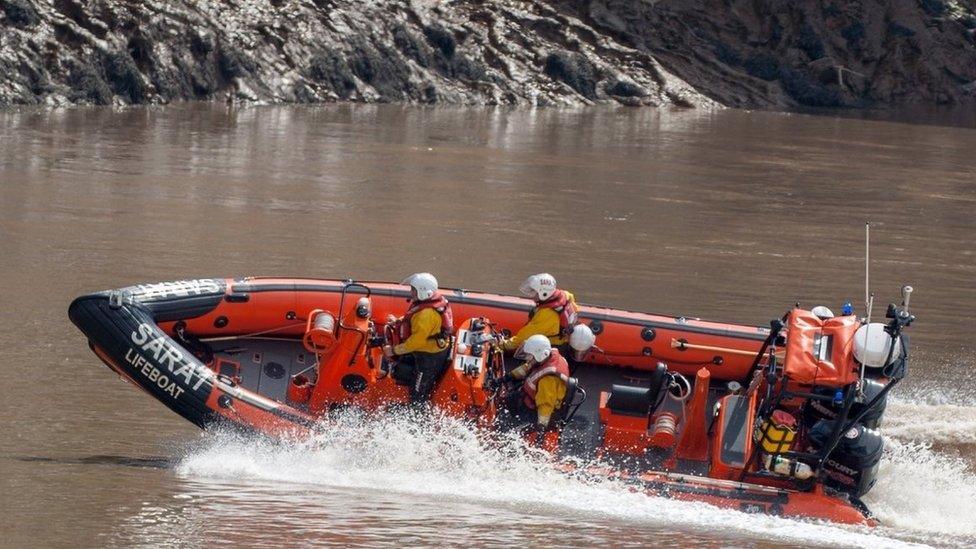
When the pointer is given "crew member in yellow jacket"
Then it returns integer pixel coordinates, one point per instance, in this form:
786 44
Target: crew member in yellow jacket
544 376
424 335
555 313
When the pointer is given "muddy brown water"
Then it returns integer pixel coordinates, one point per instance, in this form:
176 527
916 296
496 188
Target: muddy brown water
725 215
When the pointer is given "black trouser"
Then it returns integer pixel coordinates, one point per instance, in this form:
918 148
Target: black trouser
423 370
520 412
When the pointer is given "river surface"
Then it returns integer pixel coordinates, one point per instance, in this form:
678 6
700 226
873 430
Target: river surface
725 215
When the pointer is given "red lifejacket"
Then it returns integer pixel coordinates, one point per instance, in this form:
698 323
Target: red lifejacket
555 365
437 302
566 309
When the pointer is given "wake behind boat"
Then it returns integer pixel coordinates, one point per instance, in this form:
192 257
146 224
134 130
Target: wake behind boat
780 420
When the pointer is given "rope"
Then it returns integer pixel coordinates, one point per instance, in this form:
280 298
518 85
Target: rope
254 334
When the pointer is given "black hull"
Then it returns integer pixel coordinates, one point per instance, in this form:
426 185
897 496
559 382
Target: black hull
121 326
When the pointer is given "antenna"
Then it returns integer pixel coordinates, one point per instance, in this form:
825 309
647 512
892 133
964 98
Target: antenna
867 265
868 296
867 330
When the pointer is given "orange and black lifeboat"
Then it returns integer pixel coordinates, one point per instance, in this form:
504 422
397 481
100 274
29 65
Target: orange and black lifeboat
695 401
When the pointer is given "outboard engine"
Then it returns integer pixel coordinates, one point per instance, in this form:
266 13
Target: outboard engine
853 465
815 410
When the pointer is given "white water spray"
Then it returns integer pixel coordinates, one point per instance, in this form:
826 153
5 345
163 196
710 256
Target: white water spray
927 495
445 459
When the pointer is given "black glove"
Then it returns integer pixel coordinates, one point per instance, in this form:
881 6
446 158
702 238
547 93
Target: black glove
498 381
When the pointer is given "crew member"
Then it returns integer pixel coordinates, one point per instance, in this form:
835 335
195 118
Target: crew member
424 335
544 375
555 313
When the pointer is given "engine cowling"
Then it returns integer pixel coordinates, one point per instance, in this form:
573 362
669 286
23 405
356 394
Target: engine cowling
852 466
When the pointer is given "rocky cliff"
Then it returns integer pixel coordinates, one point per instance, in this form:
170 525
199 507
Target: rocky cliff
783 53
755 53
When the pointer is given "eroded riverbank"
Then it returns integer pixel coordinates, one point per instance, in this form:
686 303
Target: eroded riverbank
764 54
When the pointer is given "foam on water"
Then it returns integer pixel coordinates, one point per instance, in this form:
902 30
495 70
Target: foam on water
945 424
926 486
932 497
445 458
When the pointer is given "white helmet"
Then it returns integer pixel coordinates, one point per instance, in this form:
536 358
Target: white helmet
539 286
582 339
822 312
424 284
537 348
